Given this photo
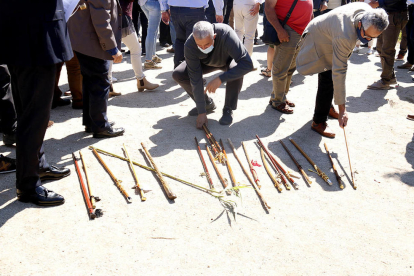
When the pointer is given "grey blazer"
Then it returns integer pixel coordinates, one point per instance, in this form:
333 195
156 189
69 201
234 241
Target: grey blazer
97 28
327 44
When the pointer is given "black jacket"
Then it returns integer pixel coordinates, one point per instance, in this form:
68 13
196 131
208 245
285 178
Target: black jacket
33 33
393 5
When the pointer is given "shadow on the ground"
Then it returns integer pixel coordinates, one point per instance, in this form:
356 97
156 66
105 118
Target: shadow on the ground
369 101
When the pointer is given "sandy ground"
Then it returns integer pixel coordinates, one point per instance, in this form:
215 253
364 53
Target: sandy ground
317 230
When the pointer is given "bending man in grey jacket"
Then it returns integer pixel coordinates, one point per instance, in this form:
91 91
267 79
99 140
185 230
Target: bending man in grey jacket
209 48
326 46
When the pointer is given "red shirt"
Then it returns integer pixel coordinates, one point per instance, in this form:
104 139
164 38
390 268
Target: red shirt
301 15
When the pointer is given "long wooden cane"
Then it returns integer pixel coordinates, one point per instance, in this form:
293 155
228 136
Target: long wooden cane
141 192
209 180
349 159
296 163
338 177
233 179
269 171
247 174
116 181
220 176
252 170
88 183
165 185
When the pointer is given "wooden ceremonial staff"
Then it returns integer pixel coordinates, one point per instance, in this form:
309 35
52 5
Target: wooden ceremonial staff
165 185
296 163
349 159
137 187
274 163
222 180
218 154
88 183
116 181
91 213
248 176
338 177
269 171
233 179
319 172
252 170
210 182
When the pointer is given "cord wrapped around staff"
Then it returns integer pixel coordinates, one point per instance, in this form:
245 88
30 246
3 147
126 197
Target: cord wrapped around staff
220 176
338 177
296 163
318 171
92 214
116 181
269 171
165 185
252 170
210 181
274 163
248 176
137 187
217 150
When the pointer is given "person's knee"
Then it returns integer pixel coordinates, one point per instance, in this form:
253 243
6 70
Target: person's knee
178 76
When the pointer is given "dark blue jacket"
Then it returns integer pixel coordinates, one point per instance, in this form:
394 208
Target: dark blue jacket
393 5
33 33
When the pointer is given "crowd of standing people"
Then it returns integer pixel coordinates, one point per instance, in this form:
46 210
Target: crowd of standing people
312 37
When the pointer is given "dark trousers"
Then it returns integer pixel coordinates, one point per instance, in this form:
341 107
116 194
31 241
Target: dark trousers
184 20
165 36
8 117
211 11
233 87
140 20
323 97
32 88
410 34
95 87
387 41
229 7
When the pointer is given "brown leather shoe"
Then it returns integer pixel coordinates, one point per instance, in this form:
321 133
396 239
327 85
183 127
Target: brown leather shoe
333 113
323 129
410 117
289 103
113 94
283 107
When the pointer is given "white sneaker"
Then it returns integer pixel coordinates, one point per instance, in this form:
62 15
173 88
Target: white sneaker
356 49
370 51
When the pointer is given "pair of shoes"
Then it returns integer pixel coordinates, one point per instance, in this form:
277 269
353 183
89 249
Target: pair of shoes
40 196
356 49
406 65
209 109
370 51
380 85
145 84
283 107
266 72
7 165
323 129
333 113
77 104
53 173
164 45
88 129
109 133
151 65
410 117
9 138
113 94
400 56
227 117
60 102
156 59
171 50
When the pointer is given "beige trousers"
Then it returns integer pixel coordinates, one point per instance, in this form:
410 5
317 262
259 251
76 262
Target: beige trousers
245 25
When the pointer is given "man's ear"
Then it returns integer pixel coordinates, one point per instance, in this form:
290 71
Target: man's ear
214 36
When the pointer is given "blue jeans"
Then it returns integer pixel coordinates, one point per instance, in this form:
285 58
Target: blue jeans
184 20
152 11
95 86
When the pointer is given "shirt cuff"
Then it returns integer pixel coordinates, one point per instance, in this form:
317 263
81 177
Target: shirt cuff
113 51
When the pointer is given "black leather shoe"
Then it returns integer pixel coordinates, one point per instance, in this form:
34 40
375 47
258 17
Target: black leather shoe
60 102
112 132
9 139
227 117
209 109
88 129
53 173
41 196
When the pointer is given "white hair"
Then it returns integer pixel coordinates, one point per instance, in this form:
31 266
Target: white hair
377 18
202 29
